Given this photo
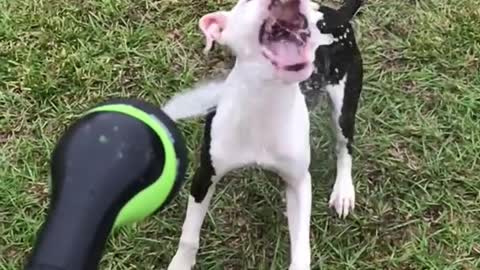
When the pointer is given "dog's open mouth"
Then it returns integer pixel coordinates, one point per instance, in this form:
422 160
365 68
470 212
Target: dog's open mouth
284 35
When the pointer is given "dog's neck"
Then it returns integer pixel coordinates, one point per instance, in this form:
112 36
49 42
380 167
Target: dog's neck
246 76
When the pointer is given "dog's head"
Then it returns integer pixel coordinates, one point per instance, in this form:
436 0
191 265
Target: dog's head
278 36
333 19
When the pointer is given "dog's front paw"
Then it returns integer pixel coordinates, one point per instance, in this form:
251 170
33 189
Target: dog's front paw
181 261
343 197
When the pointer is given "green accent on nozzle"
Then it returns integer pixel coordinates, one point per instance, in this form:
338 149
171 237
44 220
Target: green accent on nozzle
153 197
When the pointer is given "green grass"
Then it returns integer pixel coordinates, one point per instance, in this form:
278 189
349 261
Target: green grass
417 150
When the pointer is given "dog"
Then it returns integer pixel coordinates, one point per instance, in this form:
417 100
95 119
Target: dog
339 73
258 115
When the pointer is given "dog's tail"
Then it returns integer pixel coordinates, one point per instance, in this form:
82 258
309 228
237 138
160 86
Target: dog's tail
198 101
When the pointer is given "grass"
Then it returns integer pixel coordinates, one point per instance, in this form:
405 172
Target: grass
417 150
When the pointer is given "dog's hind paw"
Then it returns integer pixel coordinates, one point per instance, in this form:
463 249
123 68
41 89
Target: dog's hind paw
343 197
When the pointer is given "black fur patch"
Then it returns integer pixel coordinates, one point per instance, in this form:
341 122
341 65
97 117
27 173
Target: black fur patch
202 179
334 61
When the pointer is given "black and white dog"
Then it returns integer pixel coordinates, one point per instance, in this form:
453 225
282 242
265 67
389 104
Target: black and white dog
339 72
258 114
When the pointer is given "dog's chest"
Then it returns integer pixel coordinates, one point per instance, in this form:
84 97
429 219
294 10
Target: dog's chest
253 132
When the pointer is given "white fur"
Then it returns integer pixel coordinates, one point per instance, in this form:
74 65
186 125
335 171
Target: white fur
194 103
265 125
261 120
190 238
343 194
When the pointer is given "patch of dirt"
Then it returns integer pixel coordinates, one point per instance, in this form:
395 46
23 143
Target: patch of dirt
174 35
409 87
394 60
11 253
397 29
218 63
433 213
402 153
3 138
375 175
39 191
129 77
399 236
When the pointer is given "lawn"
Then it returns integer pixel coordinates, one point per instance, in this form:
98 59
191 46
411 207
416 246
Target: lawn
417 143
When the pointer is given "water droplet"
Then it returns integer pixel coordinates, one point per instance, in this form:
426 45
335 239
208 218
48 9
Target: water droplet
103 139
149 155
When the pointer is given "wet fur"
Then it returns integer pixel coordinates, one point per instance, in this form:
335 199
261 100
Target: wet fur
334 61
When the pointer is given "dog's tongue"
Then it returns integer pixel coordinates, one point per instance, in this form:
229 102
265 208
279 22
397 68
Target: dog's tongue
286 53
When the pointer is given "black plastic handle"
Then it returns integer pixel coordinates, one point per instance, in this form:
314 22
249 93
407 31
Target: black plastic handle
100 163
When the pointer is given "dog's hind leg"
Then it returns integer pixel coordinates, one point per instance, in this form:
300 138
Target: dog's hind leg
203 187
344 97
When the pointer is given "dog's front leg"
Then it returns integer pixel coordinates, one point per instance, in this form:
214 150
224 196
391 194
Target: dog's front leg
185 257
202 190
299 204
344 97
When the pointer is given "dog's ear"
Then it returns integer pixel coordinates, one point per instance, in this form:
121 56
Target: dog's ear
212 26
